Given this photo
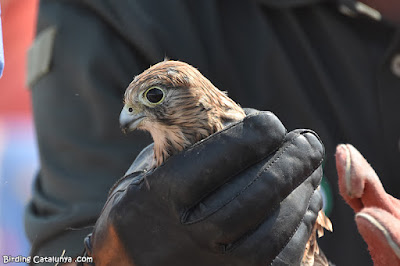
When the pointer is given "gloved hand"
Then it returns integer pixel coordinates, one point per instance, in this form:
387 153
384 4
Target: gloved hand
377 213
239 197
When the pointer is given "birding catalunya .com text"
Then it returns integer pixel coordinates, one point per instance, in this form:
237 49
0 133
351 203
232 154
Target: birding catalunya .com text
40 259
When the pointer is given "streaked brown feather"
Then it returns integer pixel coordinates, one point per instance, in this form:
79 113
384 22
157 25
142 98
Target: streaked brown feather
312 254
195 109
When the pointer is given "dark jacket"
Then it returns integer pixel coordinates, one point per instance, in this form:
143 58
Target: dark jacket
315 64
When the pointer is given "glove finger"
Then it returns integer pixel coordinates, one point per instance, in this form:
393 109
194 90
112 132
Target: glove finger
293 252
358 183
289 222
396 206
189 176
380 230
261 190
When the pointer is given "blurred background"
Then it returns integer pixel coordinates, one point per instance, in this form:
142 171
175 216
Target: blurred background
18 151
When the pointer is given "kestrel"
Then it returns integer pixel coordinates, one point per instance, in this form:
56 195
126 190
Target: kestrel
179 107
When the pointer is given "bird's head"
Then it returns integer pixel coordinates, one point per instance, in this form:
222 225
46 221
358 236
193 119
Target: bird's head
177 105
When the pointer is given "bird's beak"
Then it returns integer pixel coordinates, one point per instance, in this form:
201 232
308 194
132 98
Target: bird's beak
129 120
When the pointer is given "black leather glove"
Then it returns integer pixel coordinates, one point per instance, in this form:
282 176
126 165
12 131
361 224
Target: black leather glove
243 196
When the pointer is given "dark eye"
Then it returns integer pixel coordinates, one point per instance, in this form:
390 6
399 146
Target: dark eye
154 95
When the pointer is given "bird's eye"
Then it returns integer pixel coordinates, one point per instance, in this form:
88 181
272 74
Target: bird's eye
154 95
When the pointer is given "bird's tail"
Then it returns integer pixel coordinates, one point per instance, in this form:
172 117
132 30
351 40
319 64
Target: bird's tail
313 256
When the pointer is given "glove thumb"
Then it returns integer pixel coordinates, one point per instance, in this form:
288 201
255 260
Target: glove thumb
359 185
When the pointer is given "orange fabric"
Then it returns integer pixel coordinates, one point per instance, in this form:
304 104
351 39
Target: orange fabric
110 250
19 20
